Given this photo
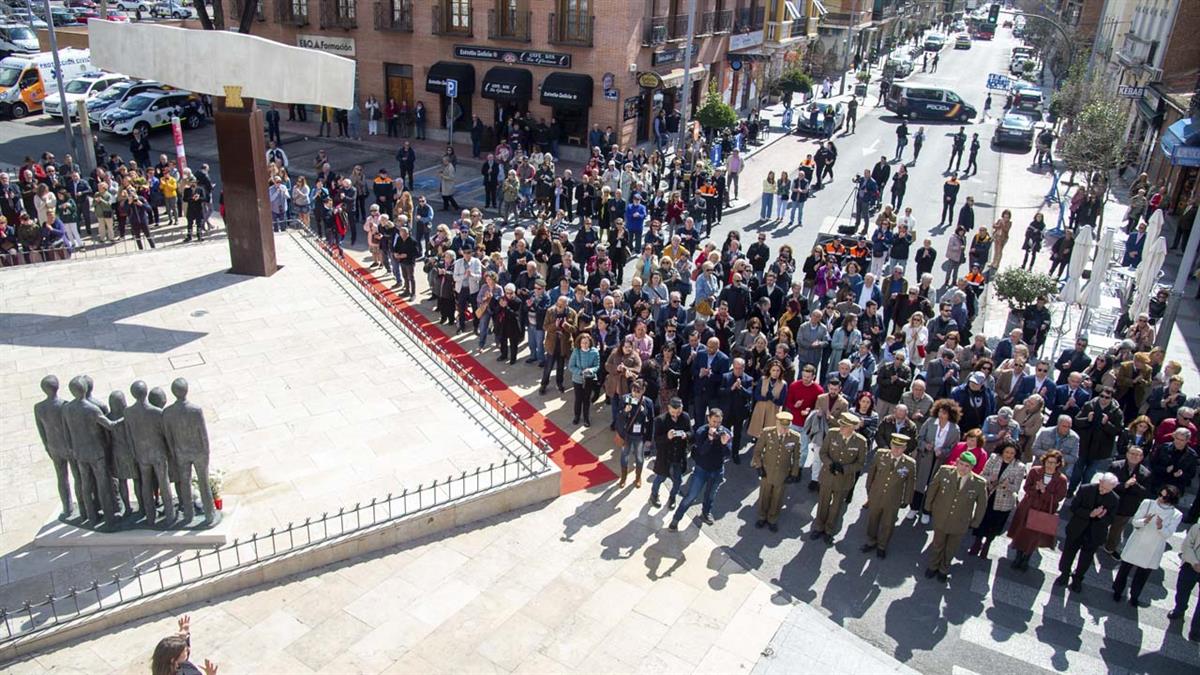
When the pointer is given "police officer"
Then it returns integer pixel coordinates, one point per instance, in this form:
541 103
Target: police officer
973 155
777 459
957 498
956 150
889 483
842 454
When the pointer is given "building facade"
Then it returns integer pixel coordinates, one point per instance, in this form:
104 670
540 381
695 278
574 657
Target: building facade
582 62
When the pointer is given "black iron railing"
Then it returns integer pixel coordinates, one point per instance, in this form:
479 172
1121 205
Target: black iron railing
394 15
514 27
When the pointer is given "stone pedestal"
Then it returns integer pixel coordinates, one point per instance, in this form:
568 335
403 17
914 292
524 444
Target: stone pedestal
57 533
242 150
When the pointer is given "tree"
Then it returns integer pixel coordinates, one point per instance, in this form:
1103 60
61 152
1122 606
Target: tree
1021 288
715 113
1095 143
795 81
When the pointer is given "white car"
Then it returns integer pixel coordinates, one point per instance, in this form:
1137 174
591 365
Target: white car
134 5
83 88
171 9
148 111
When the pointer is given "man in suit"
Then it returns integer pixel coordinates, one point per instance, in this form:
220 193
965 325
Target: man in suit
737 397
890 482
1072 361
957 498
407 157
1038 383
708 369
1092 511
942 374
1004 348
491 181
1070 397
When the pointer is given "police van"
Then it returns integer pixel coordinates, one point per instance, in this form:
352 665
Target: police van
925 102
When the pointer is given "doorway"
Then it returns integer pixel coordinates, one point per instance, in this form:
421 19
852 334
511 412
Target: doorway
398 81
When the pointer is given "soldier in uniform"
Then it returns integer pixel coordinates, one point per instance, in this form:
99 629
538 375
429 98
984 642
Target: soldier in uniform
957 498
889 484
777 459
842 453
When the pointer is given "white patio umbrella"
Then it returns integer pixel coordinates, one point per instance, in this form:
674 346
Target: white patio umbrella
1079 260
1090 297
1147 274
1154 227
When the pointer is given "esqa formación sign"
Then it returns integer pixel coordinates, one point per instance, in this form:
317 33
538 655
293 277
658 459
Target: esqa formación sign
341 46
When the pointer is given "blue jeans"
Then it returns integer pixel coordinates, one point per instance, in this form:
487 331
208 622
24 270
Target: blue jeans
485 325
278 221
782 207
702 483
764 212
633 446
676 483
797 212
537 344
1083 470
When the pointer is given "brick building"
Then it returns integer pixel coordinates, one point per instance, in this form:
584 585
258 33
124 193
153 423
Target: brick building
585 62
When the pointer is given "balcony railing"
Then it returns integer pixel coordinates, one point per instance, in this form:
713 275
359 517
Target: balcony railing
514 28
259 15
777 31
291 12
722 21
338 14
394 15
563 32
749 19
443 23
677 28
656 31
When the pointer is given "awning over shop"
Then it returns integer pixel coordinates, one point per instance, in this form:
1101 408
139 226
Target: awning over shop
675 77
449 70
793 12
820 7
567 90
508 84
1181 143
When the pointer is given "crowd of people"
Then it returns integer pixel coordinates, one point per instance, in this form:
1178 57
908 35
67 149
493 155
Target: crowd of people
48 209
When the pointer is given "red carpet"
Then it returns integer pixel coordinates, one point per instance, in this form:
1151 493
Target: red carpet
580 468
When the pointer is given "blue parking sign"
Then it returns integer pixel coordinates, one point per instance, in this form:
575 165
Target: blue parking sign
452 88
997 81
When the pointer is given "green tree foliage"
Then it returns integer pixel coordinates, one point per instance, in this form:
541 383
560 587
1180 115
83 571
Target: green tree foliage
715 113
795 81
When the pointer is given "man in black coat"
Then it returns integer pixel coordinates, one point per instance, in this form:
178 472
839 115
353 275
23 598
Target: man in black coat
491 181
407 158
1099 422
1092 511
1174 462
672 443
736 398
1133 487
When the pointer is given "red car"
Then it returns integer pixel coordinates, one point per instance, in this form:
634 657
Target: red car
80 4
86 15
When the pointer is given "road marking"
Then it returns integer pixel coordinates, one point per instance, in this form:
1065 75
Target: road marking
871 149
1028 648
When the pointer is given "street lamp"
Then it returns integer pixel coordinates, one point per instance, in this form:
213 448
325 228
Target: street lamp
1057 26
684 101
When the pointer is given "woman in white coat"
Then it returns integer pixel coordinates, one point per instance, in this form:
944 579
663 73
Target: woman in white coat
1153 524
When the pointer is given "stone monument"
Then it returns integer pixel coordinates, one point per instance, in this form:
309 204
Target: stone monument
143 421
187 437
85 424
48 416
123 467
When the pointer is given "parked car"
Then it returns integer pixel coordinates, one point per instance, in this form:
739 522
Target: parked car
23 16
151 110
134 5
171 9
83 88
80 4
86 15
117 94
811 125
934 42
963 41
1014 129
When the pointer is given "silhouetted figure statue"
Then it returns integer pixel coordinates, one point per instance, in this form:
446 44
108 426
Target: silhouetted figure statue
187 437
124 467
85 424
144 422
48 415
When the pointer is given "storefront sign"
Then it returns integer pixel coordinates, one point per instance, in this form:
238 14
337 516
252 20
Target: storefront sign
342 46
734 63
500 89
631 108
650 80
1131 92
745 40
524 57
611 94
671 55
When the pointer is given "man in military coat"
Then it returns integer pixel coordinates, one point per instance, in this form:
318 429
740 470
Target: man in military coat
842 454
957 498
777 458
890 482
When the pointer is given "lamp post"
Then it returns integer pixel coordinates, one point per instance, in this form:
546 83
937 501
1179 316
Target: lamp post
62 92
1061 31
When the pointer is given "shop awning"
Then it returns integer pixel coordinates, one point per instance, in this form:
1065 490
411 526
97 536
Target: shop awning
507 84
567 90
820 7
1181 143
675 77
449 70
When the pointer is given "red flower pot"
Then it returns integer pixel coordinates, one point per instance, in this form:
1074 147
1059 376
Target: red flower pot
217 503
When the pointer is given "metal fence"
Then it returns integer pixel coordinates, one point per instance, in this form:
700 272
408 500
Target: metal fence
150 580
164 237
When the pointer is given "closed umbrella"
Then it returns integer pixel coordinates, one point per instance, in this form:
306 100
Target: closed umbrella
1147 275
1090 297
1079 261
1154 226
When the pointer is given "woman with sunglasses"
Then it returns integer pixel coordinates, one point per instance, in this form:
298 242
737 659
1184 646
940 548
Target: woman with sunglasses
1153 524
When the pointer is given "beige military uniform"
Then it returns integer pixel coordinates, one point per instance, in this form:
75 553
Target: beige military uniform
833 410
778 454
890 484
957 504
851 453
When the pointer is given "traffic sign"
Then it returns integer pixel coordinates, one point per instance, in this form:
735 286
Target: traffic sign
452 88
998 81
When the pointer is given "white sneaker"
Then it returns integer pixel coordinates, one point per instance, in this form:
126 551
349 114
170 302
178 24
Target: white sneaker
924 518
911 515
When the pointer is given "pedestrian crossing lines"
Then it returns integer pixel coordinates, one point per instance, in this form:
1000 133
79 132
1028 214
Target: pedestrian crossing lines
1049 627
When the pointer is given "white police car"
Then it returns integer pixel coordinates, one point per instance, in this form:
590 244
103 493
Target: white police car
150 110
86 87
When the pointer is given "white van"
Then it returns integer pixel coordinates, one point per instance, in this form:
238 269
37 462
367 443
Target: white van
26 80
17 39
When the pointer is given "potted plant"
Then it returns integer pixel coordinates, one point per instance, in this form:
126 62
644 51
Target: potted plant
216 481
863 78
1021 289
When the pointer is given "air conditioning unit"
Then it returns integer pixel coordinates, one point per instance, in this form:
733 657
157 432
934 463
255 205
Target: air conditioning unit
1153 74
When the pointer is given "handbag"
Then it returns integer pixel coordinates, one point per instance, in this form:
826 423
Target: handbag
1042 522
704 307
